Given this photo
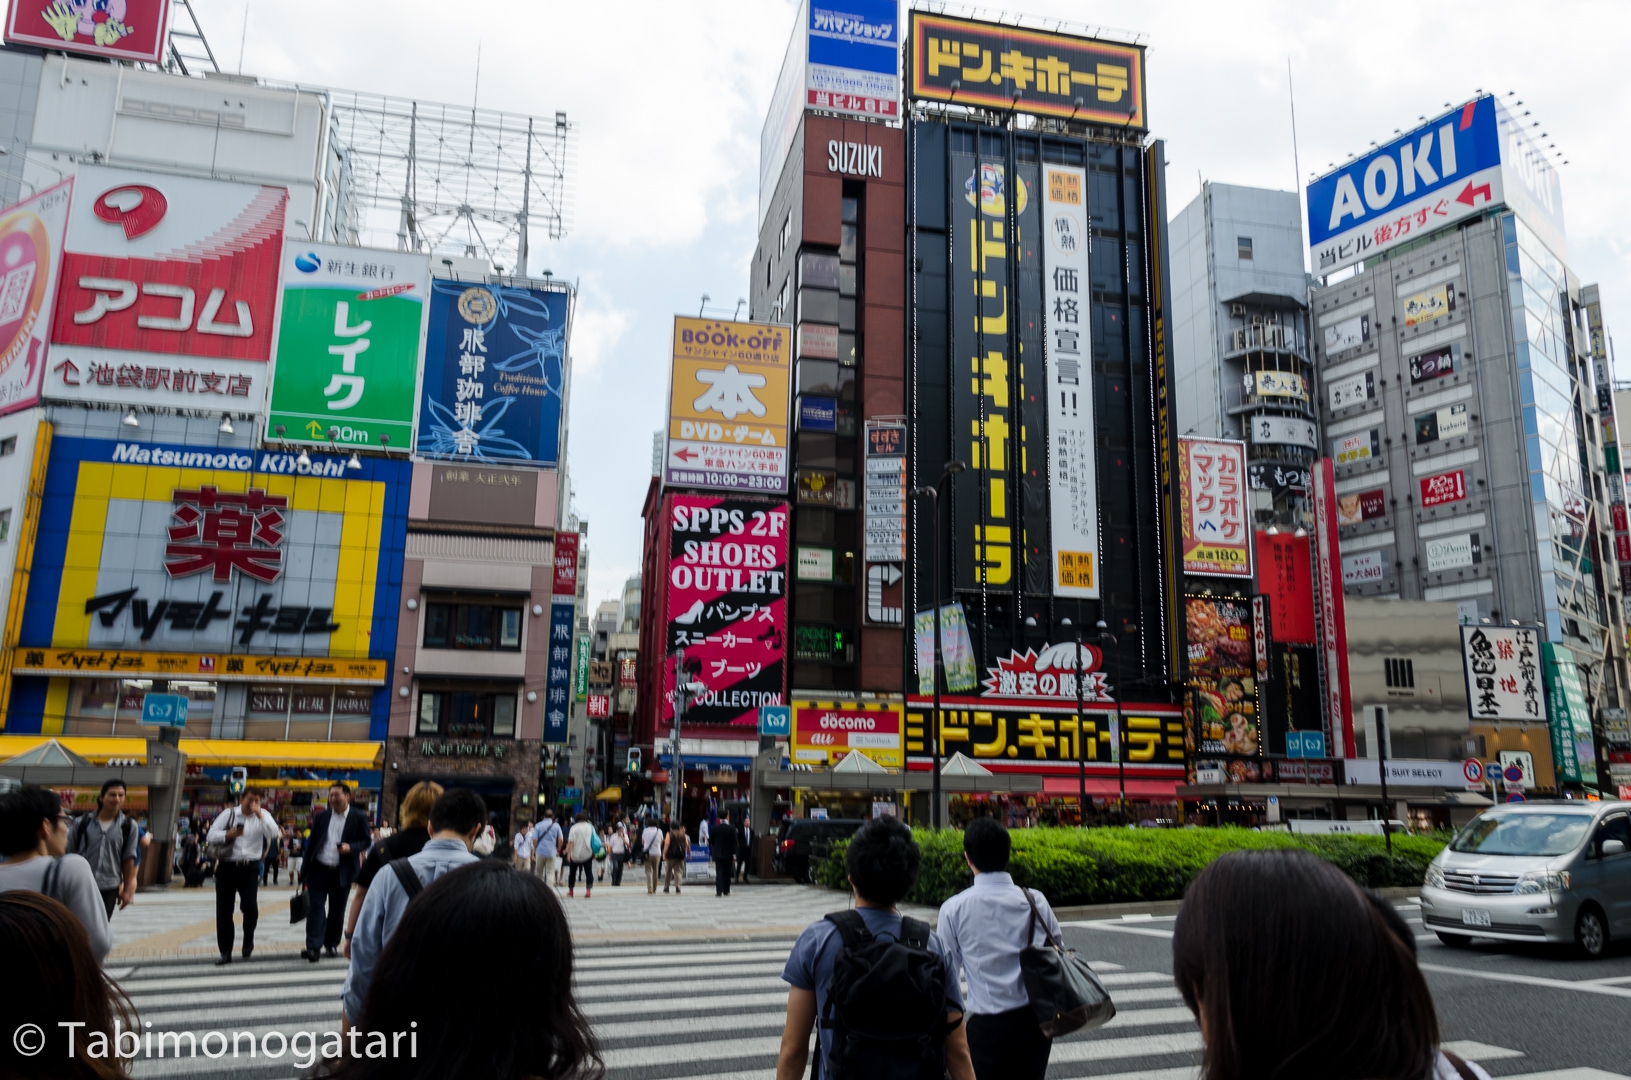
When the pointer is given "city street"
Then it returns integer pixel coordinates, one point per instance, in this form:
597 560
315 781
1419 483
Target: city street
689 986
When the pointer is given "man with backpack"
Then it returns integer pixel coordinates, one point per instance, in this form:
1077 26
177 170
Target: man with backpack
457 818
110 841
877 983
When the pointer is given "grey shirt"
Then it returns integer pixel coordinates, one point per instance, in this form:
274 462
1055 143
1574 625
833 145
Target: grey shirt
106 849
76 888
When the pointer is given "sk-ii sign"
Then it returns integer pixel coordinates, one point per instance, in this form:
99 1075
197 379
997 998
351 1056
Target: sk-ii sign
1446 170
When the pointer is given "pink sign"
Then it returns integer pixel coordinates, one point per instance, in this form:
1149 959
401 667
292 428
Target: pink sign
1443 488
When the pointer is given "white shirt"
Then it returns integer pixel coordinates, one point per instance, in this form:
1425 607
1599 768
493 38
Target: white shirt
618 844
651 841
580 842
983 931
258 832
330 855
702 832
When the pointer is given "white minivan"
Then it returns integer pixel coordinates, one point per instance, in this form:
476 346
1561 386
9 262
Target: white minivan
1555 871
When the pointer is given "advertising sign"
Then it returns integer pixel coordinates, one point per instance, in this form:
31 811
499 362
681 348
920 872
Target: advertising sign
1434 364
956 650
129 30
1428 304
1574 758
1522 760
1502 668
1365 568
817 413
1291 698
164 710
1278 384
1361 506
854 58
1332 613
168 289
1282 574
1354 390
1283 431
814 564
727 406
816 487
1012 69
1402 772
1349 333
1444 488
1360 446
1220 635
348 345
31 235
564 578
1000 734
598 707
1439 173
558 680
495 373
1073 493
234 564
580 668
1446 423
1214 533
1050 673
1452 552
1277 476
825 731
727 604
1262 635
884 522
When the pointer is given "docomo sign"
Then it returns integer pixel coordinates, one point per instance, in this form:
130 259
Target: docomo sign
825 731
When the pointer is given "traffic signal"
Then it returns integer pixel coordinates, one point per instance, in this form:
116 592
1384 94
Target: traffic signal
634 759
240 779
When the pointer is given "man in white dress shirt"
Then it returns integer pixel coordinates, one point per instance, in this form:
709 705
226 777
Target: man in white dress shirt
983 929
250 829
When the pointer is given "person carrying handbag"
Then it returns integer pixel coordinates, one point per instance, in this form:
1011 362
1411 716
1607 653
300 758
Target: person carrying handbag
1008 1038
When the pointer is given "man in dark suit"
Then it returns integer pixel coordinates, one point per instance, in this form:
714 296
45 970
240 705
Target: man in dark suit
339 837
722 845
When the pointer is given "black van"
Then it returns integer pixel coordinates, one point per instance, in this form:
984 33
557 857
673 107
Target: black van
802 839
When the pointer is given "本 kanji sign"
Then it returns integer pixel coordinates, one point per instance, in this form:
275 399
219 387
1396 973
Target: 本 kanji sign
348 345
728 406
1503 670
1009 68
1215 536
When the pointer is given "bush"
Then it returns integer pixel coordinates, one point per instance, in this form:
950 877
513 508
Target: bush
1105 866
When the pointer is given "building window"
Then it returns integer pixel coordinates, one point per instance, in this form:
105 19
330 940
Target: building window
787 235
1243 247
1400 672
5 524
486 627
8 445
467 714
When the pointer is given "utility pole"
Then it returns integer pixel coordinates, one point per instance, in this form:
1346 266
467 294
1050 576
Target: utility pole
1381 750
677 767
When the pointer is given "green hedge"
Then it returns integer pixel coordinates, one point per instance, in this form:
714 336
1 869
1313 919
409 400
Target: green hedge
1106 866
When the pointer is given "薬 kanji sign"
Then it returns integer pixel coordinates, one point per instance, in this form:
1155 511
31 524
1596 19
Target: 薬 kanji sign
1215 532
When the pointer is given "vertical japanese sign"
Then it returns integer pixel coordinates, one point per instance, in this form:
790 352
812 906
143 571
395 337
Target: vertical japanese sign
956 650
885 522
563 601
1214 533
31 234
1574 757
1502 668
1072 471
1332 613
1220 698
580 669
728 406
496 369
727 605
1282 574
348 345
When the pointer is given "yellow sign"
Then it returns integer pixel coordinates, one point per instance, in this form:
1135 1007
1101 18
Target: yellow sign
1280 384
132 663
1429 304
728 406
826 732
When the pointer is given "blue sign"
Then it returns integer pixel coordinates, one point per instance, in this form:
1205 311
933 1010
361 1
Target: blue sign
164 710
558 687
1305 744
1442 171
776 720
861 35
495 373
571 795
818 414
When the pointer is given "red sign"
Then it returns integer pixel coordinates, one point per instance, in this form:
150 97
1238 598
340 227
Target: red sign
1443 488
1261 632
626 667
223 531
566 565
1333 631
110 29
1283 576
171 265
600 706
31 235
1050 673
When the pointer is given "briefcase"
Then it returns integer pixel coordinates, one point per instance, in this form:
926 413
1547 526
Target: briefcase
299 903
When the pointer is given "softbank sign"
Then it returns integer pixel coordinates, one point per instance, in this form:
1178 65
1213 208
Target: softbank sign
1451 168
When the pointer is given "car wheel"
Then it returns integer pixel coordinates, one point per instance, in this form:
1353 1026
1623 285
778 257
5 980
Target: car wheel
1590 933
1454 941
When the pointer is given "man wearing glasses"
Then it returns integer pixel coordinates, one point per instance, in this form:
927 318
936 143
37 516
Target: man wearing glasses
34 845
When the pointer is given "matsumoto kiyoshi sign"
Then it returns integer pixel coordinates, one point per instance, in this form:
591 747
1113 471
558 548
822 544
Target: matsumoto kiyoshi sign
199 549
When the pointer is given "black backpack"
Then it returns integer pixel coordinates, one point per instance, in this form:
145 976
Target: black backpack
886 1005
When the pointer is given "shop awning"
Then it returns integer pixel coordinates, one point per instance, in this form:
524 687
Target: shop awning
611 794
325 755
1108 788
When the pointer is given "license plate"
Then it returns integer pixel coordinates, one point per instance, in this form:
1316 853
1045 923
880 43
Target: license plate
1474 917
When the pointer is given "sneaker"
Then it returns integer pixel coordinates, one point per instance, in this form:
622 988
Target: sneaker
665 888
569 892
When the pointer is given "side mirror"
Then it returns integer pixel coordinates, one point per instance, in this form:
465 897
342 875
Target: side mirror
1613 847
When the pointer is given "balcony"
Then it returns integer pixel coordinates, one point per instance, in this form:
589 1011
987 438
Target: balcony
1264 337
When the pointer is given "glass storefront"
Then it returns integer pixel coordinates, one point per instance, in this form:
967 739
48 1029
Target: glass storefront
279 711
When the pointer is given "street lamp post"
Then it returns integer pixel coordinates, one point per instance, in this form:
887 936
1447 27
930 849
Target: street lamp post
933 495
1107 638
1081 733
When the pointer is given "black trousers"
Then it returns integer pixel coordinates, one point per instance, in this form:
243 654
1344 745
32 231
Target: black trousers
617 867
1008 1046
236 880
110 897
325 916
586 868
722 875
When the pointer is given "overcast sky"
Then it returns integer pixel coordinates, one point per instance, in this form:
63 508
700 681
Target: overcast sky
668 97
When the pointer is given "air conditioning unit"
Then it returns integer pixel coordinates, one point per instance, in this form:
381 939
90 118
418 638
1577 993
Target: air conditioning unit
1257 320
1237 311
1239 340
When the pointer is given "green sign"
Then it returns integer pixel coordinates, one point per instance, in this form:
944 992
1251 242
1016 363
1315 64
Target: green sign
1574 757
580 669
346 369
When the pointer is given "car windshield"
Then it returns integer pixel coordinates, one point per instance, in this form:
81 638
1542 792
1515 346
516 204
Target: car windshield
1523 834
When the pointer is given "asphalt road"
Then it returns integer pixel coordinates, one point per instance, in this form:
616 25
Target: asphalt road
1529 1009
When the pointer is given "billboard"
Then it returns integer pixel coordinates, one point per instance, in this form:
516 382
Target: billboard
1574 756
826 731
496 365
1333 622
884 522
1073 476
1451 168
129 30
348 345
1214 534
963 62
168 290
1032 735
727 605
1502 665
728 406
1220 700
1283 576
31 235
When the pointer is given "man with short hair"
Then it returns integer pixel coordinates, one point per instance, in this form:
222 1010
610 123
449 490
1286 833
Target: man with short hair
249 829
339 836
110 841
456 819
34 857
977 927
676 849
651 854
723 852
546 844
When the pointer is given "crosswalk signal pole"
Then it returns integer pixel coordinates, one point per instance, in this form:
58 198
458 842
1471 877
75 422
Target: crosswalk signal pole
677 767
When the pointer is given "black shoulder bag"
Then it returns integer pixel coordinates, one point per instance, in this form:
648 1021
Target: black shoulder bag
1065 994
